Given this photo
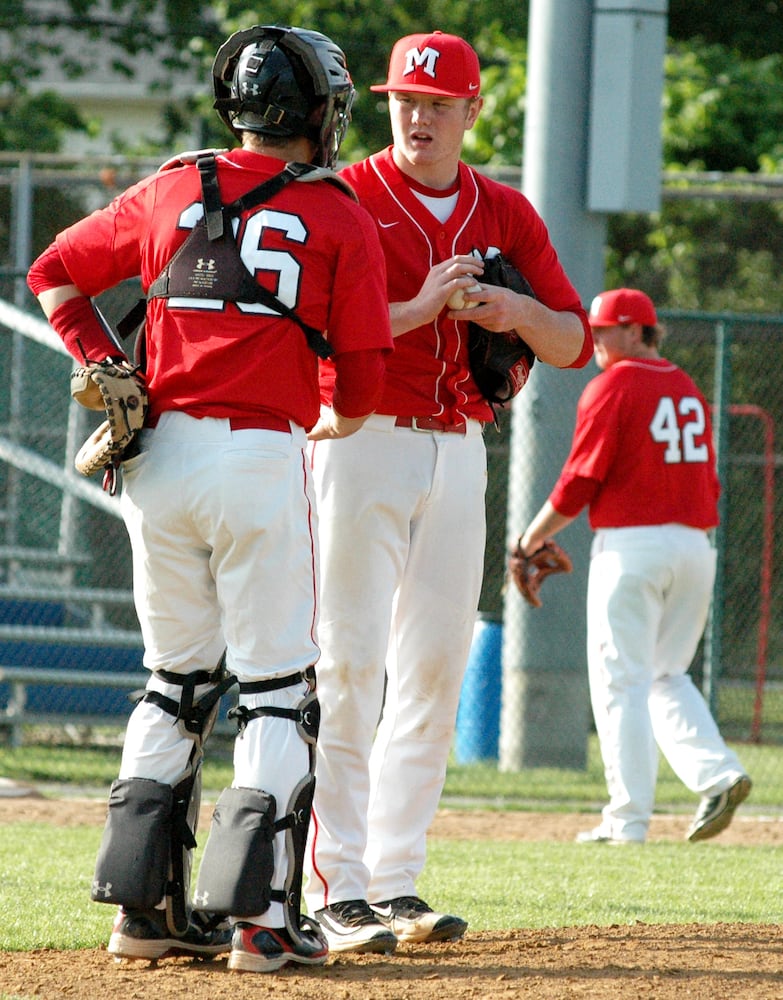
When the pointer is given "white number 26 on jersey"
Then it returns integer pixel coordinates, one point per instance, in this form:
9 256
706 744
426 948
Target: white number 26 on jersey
681 442
281 263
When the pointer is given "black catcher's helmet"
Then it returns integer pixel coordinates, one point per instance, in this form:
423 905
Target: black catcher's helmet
270 79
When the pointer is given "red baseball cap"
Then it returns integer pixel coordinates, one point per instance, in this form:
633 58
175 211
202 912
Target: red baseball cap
436 63
623 305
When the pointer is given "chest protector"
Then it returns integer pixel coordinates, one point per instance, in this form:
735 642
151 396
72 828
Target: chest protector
208 264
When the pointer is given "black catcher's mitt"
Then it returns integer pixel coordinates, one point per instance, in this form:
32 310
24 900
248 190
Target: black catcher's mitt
529 572
500 362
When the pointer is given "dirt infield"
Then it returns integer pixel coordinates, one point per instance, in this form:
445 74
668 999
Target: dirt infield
688 962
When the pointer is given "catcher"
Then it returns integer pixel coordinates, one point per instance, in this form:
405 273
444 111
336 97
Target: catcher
244 273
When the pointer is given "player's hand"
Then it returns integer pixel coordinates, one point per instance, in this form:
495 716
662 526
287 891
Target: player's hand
499 309
332 425
461 271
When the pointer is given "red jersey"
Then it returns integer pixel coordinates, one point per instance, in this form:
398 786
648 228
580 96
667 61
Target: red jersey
642 451
311 245
428 373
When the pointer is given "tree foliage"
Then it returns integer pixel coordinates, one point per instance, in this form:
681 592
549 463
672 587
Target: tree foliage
724 96
184 35
753 28
722 110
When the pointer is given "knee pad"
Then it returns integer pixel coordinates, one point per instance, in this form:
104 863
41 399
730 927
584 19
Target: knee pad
133 859
235 876
238 865
177 837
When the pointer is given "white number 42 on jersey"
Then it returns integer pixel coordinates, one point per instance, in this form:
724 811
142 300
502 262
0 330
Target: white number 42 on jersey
681 442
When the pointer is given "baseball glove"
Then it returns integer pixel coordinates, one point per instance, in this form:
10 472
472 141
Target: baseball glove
500 362
118 390
529 572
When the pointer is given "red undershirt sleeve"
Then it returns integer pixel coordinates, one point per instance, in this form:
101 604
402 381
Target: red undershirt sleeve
587 347
74 321
358 382
48 271
80 330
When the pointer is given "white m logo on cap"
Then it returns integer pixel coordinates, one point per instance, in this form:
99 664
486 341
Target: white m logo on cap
425 59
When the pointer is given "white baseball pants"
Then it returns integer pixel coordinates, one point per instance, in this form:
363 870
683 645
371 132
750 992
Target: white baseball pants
222 528
648 597
402 528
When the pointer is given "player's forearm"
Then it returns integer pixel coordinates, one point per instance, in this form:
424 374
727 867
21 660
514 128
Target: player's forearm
406 316
72 317
557 338
51 298
545 524
358 382
357 390
68 309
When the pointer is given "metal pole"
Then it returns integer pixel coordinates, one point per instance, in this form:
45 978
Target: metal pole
22 228
713 639
22 211
545 705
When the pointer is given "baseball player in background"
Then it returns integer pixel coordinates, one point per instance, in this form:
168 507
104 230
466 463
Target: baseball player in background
401 503
642 462
218 502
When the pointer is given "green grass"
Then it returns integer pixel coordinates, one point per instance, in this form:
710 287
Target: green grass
95 767
495 885
45 879
506 885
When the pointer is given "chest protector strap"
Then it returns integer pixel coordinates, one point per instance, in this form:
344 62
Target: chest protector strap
208 264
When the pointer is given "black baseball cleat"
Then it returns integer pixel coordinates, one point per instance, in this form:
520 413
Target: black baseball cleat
717 811
412 921
351 925
145 934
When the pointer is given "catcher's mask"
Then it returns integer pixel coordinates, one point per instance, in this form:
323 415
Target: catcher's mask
281 82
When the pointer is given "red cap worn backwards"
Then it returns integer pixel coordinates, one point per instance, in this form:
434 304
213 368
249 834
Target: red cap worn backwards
623 305
436 63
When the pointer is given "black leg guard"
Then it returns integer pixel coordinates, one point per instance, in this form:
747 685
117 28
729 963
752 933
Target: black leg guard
296 822
195 719
133 858
186 805
235 876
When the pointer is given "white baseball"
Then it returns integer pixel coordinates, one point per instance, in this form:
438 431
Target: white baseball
457 298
